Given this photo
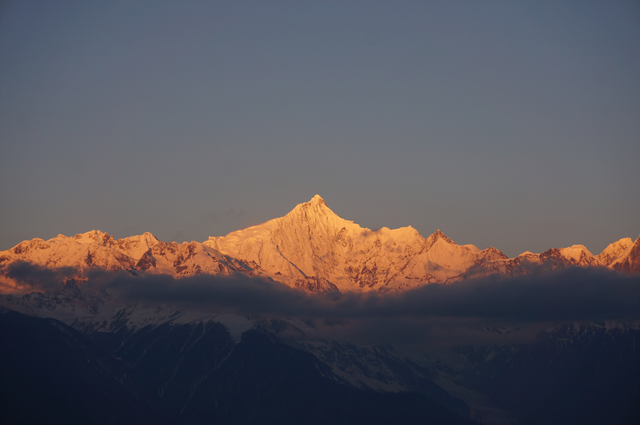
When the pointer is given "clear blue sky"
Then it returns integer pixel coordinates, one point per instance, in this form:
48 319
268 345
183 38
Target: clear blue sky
506 124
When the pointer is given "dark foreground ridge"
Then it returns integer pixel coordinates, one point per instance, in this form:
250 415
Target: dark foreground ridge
52 373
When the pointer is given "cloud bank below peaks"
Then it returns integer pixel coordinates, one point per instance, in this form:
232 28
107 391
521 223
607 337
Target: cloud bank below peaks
562 295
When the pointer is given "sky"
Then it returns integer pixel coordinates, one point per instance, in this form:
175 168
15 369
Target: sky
506 124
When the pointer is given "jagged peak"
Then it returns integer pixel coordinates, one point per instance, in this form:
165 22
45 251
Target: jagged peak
145 236
94 232
314 207
624 242
578 247
94 236
317 199
630 260
440 235
494 252
615 251
434 237
576 252
313 211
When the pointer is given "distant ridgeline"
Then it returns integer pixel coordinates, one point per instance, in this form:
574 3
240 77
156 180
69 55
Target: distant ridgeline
312 249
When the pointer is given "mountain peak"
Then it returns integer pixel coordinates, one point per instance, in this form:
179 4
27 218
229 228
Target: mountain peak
440 235
94 236
630 263
317 199
433 238
316 206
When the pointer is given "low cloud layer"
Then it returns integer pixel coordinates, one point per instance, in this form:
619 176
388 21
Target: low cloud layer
567 294
37 278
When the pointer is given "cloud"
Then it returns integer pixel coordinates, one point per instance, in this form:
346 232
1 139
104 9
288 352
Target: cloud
486 310
38 278
237 293
567 294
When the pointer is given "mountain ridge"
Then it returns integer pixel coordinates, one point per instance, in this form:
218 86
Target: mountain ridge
313 249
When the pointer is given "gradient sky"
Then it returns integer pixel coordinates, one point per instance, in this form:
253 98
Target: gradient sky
506 124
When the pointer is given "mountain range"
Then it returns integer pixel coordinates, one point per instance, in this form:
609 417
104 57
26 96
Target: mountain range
387 327
313 249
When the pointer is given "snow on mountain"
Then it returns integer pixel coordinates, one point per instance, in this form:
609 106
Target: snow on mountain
91 249
306 242
313 249
614 251
619 255
442 260
575 255
133 246
190 258
629 260
312 242
141 253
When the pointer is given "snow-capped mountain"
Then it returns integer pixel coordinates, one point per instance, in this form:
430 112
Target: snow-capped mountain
313 249
313 242
142 253
623 255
